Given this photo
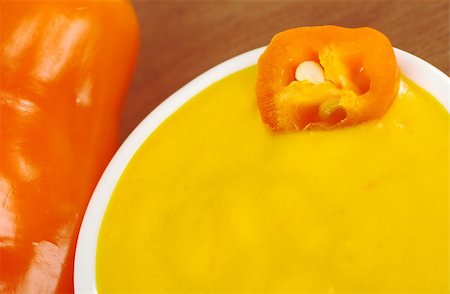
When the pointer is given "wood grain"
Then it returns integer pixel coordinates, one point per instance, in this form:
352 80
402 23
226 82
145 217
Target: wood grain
182 39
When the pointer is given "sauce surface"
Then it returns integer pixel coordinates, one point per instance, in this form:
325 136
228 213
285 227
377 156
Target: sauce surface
214 202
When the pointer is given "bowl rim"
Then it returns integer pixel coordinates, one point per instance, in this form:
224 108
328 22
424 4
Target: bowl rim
429 77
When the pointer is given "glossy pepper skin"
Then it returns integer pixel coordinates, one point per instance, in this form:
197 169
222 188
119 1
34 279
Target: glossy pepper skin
361 78
65 67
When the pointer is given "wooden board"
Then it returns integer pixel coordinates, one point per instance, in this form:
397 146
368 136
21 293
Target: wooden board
183 38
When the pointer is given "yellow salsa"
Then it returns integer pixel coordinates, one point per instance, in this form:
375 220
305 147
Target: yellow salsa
213 202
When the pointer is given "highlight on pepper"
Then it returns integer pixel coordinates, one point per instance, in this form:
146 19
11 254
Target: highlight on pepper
325 77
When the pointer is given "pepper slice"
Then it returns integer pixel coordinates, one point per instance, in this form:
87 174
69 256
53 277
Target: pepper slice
361 78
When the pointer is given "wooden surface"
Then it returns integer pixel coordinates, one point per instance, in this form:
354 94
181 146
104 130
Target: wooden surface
183 38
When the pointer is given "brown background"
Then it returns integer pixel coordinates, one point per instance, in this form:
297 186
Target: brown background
183 38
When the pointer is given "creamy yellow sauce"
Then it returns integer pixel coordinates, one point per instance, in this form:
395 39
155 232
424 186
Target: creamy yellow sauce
215 203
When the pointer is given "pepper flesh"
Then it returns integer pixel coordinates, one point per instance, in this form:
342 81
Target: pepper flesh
65 68
361 74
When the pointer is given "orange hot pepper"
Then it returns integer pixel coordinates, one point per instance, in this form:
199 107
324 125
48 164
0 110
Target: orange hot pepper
65 68
361 78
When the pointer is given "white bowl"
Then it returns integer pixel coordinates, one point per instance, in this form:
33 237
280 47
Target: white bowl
419 71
